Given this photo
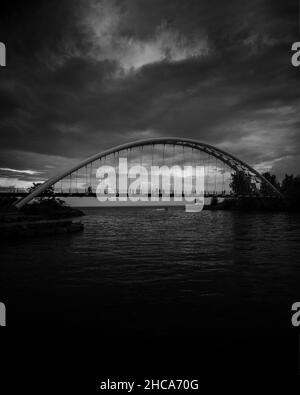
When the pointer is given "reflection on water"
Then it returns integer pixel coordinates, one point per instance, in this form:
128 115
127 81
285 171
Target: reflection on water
132 265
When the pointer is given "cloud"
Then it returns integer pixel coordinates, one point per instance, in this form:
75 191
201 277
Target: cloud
103 22
31 172
83 76
14 182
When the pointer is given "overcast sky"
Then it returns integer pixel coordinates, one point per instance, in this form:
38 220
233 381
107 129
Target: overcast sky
82 76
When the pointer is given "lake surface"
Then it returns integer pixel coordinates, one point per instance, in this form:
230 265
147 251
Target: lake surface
152 274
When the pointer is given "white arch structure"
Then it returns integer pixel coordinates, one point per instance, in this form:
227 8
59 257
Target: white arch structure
230 160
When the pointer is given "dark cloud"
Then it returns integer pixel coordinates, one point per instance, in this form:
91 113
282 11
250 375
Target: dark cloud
85 75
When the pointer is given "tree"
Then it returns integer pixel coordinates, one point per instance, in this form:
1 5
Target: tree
290 188
47 194
46 204
241 183
266 189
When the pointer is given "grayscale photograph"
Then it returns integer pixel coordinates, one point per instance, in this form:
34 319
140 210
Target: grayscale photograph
149 193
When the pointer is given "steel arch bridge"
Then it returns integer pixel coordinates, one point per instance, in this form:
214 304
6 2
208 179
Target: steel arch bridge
210 156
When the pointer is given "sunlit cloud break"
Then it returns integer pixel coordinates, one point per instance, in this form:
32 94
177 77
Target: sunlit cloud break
103 22
31 172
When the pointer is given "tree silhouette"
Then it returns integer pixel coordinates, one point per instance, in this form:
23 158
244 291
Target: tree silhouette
265 189
290 188
47 194
241 184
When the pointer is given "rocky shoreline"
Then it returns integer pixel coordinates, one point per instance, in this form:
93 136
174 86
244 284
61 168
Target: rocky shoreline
38 228
39 219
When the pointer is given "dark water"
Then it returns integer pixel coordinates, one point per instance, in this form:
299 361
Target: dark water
151 274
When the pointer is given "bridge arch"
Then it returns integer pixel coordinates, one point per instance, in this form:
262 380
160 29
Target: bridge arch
225 157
